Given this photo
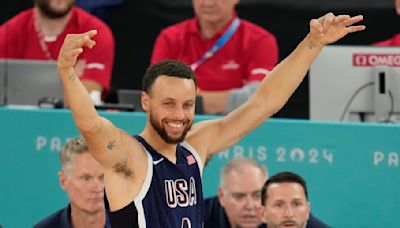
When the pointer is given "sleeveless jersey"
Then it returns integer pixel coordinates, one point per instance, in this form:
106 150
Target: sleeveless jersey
171 195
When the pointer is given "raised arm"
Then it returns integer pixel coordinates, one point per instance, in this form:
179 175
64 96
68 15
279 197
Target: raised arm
274 90
103 138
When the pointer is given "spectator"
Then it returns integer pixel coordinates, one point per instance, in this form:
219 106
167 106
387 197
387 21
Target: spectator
395 40
82 177
38 33
239 197
285 203
244 53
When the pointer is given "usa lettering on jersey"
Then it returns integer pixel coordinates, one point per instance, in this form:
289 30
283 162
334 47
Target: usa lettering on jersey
180 193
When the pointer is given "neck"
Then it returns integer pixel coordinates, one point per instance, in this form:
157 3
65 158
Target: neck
80 218
153 138
50 26
209 29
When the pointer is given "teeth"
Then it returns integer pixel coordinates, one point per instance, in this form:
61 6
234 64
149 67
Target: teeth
175 125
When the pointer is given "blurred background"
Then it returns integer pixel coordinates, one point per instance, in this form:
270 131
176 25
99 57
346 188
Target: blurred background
136 24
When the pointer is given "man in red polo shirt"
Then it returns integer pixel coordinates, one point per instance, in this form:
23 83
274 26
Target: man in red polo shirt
38 33
395 40
244 55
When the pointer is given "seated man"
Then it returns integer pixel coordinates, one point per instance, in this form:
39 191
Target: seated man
47 25
82 177
285 202
239 197
230 56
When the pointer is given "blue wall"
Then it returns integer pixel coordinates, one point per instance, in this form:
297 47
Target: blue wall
352 170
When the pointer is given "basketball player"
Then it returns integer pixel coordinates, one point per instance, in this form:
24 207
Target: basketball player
159 170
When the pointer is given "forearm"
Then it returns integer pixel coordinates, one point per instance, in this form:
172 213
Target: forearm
280 84
79 102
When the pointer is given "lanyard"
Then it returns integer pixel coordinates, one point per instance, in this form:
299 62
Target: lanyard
42 42
218 45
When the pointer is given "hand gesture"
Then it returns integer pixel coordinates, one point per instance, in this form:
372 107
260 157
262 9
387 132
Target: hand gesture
330 28
72 48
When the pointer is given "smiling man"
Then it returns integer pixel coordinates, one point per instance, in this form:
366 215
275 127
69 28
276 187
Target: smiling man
156 171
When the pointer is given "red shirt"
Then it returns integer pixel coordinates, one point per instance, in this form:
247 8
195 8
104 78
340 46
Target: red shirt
394 41
20 40
249 54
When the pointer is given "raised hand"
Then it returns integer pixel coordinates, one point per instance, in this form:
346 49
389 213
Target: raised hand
72 48
330 28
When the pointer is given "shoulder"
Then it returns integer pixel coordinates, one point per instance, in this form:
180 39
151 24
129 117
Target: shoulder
314 222
54 220
214 215
394 41
88 21
21 18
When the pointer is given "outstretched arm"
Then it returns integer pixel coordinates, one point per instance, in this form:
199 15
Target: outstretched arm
101 135
274 90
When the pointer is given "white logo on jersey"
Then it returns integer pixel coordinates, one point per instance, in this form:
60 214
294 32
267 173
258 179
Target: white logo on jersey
230 65
180 193
158 161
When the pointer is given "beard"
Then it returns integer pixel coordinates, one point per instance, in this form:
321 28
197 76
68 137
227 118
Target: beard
49 12
163 133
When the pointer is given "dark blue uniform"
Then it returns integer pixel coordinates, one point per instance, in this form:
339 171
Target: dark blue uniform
215 216
62 219
171 195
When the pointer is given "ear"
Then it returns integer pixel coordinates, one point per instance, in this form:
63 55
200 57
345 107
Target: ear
221 196
145 99
261 214
309 209
63 180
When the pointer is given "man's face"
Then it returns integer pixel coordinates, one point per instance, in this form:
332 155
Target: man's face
286 206
55 8
84 184
240 196
214 11
170 106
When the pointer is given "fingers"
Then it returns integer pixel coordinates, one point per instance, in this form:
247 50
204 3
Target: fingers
352 20
344 21
73 47
315 24
80 40
355 28
328 19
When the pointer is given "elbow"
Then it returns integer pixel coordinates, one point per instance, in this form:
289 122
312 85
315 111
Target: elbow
270 104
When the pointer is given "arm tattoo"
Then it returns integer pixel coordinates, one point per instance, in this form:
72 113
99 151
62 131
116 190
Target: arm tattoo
311 45
111 145
72 76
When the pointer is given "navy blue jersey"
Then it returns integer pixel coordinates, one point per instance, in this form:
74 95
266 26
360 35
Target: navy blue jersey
171 195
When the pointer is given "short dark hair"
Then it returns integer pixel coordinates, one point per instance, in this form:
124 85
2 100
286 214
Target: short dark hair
172 68
282 177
